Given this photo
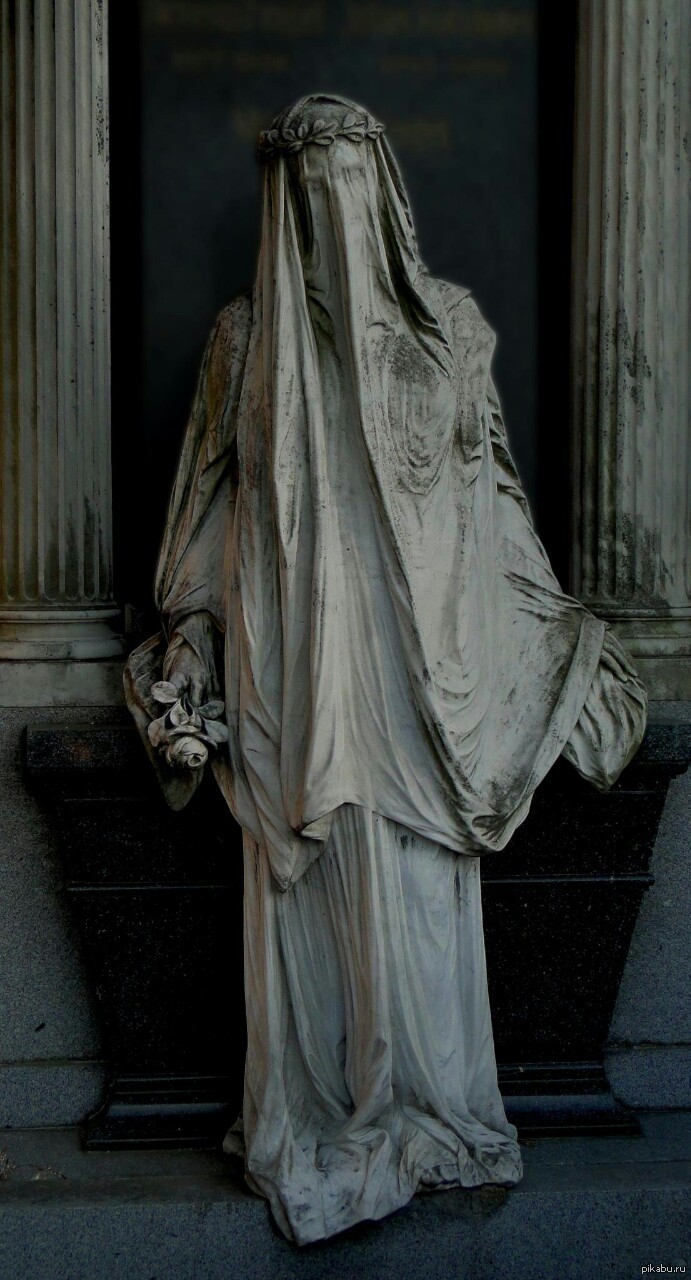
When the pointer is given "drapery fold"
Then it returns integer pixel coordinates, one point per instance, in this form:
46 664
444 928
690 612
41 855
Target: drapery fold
350 556
370 1066
347 510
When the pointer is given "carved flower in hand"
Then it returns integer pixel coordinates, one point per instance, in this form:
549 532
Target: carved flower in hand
185 733
186 753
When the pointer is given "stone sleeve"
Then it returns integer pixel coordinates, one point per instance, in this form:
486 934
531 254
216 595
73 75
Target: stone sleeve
611 725
191 575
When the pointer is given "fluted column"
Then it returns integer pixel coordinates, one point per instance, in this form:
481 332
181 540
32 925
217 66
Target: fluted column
631 453
55 467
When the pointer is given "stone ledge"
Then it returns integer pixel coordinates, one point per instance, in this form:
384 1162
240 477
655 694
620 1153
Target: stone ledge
607 1206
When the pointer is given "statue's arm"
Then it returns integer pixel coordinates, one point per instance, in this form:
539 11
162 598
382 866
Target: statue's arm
612 722
474 347
505 468
190 578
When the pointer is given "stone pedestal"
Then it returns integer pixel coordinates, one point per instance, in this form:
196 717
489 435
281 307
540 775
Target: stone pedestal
631 449
56 602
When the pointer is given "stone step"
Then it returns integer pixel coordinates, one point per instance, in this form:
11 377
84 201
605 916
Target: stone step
586 1207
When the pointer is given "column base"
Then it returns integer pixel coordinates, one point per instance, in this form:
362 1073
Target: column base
660 648
52 656
49 634
61 684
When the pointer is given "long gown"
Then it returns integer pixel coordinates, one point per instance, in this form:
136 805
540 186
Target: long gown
370 1070
349 550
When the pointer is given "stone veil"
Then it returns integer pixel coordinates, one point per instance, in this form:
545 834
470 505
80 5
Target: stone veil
349 560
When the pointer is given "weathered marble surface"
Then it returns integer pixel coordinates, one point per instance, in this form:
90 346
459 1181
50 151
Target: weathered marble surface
56 588
350 561
631 270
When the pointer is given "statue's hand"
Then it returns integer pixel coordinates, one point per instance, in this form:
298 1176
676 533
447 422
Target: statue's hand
184 669
190 725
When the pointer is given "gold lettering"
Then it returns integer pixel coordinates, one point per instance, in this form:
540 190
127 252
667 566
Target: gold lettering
387 21
378 20
242 62
237 17
483 24
420 133
478 66
409 64
406 64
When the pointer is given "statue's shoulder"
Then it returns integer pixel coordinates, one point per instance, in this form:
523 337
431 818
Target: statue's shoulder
452 295
229 340
467 321
235 320
460 303
226 349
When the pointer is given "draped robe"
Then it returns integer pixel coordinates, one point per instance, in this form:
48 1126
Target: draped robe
349 549
395 636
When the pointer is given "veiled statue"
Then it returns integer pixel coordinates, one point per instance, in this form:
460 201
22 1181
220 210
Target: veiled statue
363 637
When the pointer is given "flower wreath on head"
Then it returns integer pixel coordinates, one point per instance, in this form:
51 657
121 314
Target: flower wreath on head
322 133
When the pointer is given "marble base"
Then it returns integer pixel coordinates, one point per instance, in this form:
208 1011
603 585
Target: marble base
36 683
57 634
661 650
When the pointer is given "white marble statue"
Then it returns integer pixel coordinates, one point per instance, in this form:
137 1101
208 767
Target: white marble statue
349 563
